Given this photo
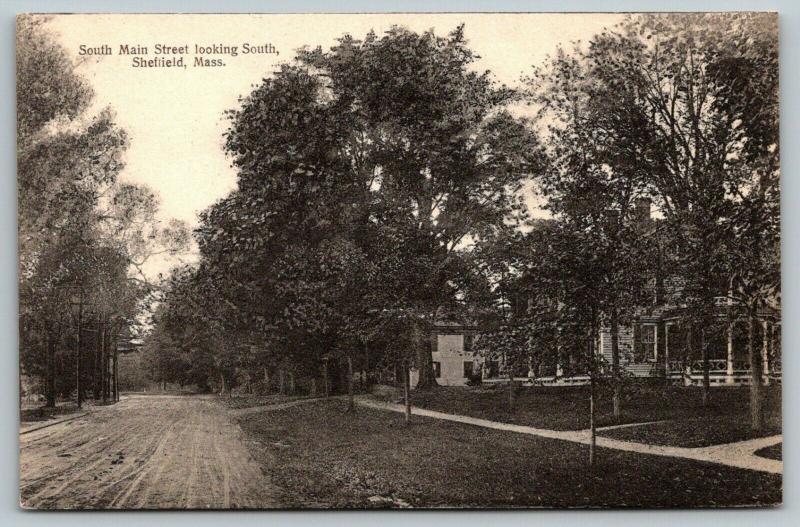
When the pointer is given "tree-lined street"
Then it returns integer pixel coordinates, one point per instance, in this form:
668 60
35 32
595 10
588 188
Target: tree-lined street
568 282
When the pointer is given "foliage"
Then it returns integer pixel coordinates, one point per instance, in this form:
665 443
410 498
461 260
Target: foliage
83 234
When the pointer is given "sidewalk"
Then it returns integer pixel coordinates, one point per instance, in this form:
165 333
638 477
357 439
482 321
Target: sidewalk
739 455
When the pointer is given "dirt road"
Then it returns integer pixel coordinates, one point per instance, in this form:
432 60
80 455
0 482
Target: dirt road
170 452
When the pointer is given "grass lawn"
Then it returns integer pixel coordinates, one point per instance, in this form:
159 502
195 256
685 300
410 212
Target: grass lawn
249 401
567 408
696 432
325 457
42 413
771 452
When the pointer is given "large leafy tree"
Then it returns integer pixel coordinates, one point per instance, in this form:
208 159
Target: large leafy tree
82 233
687 111
440 157
710 94
363 173
596 181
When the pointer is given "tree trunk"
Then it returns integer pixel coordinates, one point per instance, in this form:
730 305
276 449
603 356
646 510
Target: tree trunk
101 362
689 354
51 370
615 366
116 373
222 384
103 367
406 391
592 431
313 388
291 382
78 385
511 388
351 404
281 383
365 369
756 415
706 367
426 378
325 383
95 363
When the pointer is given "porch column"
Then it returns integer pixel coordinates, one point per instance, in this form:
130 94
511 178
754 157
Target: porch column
765 351
729 369
666 348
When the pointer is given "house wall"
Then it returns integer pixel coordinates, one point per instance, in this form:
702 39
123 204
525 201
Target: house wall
625 339
631 348
451 357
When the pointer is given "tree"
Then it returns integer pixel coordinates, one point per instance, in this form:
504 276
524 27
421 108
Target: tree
441 156
595 181
689 69
746 74
683 81
361 172
81 231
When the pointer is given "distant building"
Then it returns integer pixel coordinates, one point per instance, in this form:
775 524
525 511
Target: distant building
654 345
454 361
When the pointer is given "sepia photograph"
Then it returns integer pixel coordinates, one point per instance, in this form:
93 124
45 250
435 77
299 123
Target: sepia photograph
399 261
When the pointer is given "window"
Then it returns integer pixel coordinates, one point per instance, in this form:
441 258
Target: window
468 342
649 341
437 369
468 368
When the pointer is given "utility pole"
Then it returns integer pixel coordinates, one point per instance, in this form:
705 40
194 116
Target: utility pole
115 371
78 351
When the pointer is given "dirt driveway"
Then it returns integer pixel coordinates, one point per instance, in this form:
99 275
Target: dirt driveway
157 452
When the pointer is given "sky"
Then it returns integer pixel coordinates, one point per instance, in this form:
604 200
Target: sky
174 116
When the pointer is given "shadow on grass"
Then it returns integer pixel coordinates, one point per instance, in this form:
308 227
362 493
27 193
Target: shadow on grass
330 458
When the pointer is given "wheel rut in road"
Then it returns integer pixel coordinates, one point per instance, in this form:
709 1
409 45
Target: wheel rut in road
146 452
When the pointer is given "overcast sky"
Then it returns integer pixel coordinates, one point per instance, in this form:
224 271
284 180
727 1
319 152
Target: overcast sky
174 116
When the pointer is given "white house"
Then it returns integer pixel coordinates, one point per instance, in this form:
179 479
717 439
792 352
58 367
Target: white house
452 351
